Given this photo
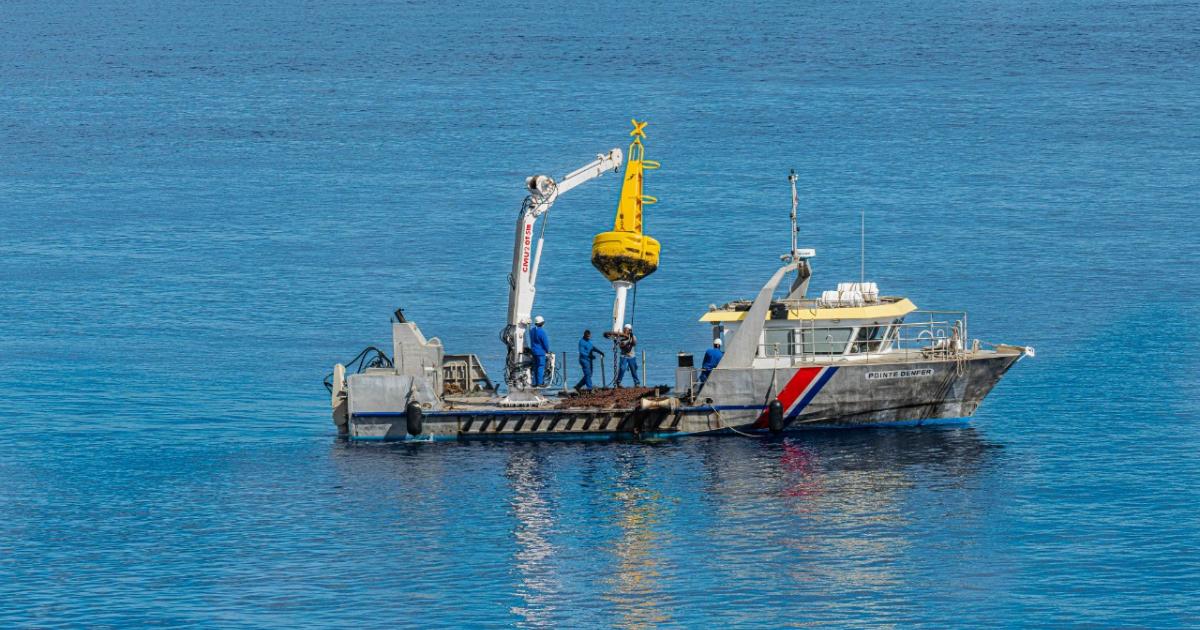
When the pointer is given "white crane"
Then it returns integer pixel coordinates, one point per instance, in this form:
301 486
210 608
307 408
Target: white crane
522 281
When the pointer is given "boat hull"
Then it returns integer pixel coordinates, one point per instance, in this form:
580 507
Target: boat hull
835 395
847 394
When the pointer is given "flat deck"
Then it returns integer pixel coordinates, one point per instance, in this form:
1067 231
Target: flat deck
468 418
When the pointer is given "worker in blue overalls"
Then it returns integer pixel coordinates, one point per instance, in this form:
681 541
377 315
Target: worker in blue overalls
712 357
539 347
587 352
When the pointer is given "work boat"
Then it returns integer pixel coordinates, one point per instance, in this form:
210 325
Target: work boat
850 357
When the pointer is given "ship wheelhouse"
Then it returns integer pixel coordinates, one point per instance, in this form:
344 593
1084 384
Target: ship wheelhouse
844 325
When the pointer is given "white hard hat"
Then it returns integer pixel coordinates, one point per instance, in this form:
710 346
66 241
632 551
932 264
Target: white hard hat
716 342
628 326
539 320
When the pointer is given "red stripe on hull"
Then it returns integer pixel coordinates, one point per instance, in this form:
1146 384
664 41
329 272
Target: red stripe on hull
791 392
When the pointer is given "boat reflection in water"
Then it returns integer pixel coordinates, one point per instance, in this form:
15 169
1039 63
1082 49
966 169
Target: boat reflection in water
847 508
534 560
637 534
636 588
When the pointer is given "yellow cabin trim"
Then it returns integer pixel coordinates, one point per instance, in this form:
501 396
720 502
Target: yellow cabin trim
890 310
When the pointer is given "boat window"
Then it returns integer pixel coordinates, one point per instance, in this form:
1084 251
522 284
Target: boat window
868 339
777 342
824 340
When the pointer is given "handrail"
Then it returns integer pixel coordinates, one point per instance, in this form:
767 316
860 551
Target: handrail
935 338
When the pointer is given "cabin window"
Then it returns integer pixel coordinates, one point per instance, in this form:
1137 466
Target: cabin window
784 342
868 339
824 340
777 342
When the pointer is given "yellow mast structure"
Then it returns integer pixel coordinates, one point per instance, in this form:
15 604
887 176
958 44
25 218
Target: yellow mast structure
626 255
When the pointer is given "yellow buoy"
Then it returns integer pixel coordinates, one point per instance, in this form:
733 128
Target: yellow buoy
626 254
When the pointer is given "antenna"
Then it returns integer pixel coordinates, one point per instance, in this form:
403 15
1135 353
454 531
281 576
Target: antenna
795 201
862 245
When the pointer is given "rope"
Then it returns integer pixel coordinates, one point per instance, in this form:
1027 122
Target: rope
722 425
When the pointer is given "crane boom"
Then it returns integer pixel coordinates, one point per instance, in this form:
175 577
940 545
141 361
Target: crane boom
603 163
522 281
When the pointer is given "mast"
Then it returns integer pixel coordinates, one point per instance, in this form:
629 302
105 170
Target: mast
862 248
795 202
799 256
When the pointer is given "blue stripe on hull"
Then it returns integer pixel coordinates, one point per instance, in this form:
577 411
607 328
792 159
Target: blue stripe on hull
614 437
813 391
833 426
521 437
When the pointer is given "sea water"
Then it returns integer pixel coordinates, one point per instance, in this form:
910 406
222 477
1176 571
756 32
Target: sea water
206 205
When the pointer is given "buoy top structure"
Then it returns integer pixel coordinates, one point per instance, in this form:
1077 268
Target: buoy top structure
625 255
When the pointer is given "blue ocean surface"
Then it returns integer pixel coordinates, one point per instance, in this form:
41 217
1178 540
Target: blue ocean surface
205 205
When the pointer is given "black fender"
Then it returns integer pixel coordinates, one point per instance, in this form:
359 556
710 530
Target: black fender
775 416
413 417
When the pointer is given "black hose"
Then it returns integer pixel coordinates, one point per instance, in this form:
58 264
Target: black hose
369 357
